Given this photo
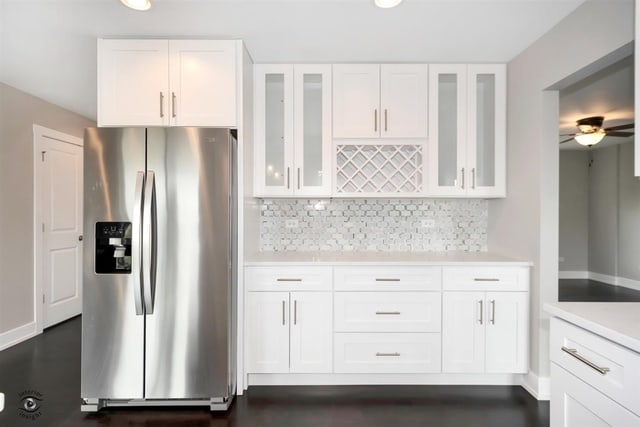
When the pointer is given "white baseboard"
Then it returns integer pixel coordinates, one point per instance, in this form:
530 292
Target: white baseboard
384 379
538 387
604 278
17 335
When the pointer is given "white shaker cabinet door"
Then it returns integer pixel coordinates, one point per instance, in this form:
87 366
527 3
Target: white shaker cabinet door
403 100
311 332
507 332
356 101
463 318
133 82
267 332
203 82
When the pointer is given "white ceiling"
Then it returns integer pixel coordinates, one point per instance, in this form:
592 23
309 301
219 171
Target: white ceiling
607 93
49 46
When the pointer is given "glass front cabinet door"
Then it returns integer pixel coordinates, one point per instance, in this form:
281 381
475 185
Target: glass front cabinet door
292 133
467 139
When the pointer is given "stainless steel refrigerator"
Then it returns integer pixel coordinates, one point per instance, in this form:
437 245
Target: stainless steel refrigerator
159 303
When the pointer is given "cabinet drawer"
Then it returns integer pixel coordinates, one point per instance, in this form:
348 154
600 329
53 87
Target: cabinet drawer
288 278
574 403
406 278
387 311
386 353
485 278
621 382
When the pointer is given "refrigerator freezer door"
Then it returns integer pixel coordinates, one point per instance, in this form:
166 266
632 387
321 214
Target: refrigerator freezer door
187 353
112 332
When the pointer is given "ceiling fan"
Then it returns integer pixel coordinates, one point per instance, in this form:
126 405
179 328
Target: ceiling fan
591 131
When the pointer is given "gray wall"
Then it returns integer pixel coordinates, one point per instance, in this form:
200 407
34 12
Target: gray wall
574 227
525 224
628 216
18 113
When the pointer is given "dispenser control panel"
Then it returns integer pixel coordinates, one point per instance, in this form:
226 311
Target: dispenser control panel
113 247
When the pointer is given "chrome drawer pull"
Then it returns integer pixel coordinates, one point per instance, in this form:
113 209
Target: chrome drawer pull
574 353
388 312
288 280
387 280
387 354
480 279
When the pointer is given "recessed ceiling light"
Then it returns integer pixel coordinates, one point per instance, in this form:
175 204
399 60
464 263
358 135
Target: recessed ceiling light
137 4
386 4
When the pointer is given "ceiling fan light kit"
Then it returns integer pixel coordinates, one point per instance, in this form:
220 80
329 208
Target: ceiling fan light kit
589 139
140 5
592 132
386 4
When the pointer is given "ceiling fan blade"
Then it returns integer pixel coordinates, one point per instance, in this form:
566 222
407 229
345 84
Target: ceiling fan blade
620 127
566 140
568 134
620 134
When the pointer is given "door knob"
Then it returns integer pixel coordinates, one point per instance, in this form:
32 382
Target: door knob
80 237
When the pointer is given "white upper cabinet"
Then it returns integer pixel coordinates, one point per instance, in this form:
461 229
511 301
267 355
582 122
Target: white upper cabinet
467 122
380 101
167 82
292 130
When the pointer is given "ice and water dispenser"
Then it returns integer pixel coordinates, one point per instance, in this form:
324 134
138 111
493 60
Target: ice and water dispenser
113 247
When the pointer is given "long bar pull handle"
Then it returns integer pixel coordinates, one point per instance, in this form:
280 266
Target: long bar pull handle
492 319
283 308
136 244
396 354
380 313
473 178
288 179
375 120
173 104
462 173
161 104
387 280
481 317
574 353
295 312
149 242
485 279
385 119
298 178
288 280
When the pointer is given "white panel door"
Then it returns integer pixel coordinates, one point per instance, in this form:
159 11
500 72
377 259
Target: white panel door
403 100
133 82
311 332
61 193
267 332
202 75
463 332
507 332
356 101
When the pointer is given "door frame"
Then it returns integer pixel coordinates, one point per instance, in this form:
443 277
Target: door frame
39 133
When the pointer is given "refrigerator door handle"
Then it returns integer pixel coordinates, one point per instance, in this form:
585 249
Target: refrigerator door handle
149 243
136 244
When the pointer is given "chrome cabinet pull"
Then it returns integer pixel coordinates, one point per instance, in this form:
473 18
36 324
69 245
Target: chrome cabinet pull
288 179
173 104
388 354
473 178
492 319
295 312
482 279
387 280
298 178
288 280
385 119
283 303
481 318
161 104
388 312
375 120
574 353
462 172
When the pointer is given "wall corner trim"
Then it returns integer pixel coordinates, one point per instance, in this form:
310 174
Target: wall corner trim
538 387
17 335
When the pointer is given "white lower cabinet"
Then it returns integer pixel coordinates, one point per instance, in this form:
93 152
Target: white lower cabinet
485 332
289 332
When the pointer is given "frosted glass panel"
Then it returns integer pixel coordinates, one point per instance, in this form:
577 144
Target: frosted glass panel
485 130
312 122
274 130
447 129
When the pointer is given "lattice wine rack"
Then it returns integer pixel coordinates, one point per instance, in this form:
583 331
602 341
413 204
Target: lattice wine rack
379 169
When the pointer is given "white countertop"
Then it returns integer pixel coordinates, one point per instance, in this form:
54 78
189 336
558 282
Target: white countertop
376 258
616 321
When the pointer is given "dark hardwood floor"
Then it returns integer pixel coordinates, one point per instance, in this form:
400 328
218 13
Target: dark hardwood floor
50 365
586 290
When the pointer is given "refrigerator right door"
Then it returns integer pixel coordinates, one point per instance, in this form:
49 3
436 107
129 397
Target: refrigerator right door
189 331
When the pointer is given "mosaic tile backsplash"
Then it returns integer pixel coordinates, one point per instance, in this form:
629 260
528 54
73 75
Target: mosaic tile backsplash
393 225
